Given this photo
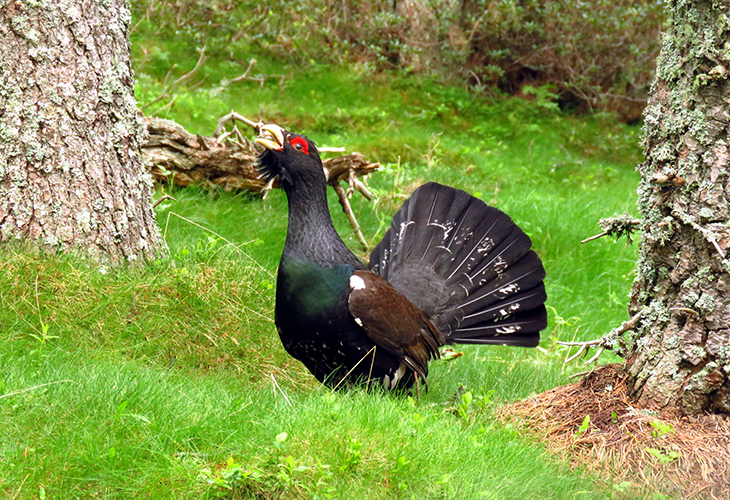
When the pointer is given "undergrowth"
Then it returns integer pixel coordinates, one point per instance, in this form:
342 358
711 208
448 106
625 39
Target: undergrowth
170 382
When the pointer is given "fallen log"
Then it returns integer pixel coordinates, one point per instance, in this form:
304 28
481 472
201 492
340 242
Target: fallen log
175 156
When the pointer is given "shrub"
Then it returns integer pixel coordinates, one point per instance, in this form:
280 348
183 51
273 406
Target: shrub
597 54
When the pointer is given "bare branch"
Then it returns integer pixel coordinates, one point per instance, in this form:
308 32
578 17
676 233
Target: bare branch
345 203
233 116
190 74
609 341
620 225
260 79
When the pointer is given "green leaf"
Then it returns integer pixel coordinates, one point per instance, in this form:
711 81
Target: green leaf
584 426
120 409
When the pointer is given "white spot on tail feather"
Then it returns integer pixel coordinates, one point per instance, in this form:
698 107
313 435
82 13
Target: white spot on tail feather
509 289
389 383
356 282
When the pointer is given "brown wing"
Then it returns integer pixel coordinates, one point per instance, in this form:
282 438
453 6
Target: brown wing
393 322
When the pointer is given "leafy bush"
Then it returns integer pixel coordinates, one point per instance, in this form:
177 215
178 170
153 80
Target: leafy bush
597 54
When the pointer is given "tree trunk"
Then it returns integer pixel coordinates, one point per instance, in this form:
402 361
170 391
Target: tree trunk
679 356
70 172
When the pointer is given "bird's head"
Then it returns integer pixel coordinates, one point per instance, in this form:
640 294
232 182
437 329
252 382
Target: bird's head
289 156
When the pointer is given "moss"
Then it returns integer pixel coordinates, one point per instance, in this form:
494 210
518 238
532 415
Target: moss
690 299
22 25
706 304
705 274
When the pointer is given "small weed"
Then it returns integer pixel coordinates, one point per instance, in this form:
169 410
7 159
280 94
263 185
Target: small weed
661 429
41 336
583 428
469 403
353 454
232 477
664 456
462 409
120 409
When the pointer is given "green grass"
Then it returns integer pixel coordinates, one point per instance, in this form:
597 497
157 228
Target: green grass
125 429
169 381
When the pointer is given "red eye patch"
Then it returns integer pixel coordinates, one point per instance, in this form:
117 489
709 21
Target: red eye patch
300 145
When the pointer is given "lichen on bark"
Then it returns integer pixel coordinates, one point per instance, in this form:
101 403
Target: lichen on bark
70 172
679 356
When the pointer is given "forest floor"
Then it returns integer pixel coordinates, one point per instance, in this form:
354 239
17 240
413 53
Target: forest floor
660 453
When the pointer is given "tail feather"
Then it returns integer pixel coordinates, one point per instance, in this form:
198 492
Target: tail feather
524 275
520 330
467 265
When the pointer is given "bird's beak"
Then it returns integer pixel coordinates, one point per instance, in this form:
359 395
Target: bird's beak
271 137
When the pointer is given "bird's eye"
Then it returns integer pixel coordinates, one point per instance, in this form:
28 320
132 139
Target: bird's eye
300 145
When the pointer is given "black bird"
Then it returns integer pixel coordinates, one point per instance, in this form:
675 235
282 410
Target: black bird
450 269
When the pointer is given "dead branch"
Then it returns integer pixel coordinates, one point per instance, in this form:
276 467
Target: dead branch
260 79
168 89
228 161
610 341
620 225
233 117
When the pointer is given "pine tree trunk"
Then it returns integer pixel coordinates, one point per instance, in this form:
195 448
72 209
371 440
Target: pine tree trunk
70 172
679 357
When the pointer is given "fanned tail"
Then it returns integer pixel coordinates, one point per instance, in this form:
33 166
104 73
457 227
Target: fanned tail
467 265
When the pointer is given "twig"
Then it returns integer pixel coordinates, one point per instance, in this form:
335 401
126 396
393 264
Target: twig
276 385
163 198
14 393
620 225
580 374
166 106
261 79
595 237
245 76
353 368
233 116
608 341
685 310
363 189
345 203
190 74
169 88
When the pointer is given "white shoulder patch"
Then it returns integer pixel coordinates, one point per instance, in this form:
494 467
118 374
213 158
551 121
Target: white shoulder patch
356 282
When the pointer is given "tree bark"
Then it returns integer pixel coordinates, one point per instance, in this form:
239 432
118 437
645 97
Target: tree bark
679 356
70 173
